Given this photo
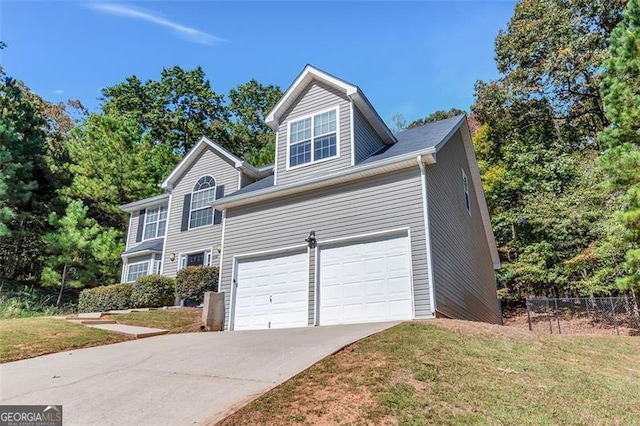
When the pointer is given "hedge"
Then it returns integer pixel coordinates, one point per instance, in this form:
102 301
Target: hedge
153 291
105 298
192 282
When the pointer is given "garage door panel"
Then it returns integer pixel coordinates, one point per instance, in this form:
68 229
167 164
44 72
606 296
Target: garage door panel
272 292
366 281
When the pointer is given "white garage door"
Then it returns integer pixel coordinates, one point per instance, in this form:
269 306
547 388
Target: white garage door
272 292
366 282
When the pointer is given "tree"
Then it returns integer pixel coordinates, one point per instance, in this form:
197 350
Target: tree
176 110
76 250
251 138
436 116
112 163
555 49
621 160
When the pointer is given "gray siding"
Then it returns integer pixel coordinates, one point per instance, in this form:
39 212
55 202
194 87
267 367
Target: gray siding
388 201
464 279
133 227
315 98
366 139
205 237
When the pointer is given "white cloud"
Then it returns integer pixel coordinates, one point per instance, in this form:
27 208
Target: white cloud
58 92
191 34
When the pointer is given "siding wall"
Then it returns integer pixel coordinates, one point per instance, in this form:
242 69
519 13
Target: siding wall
340 211
464 279
366 140
205 237
244 181
133 227
316 97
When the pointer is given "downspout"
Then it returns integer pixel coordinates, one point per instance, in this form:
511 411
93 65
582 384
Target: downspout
427 232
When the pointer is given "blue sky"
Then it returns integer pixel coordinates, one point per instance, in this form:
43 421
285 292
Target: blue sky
408 57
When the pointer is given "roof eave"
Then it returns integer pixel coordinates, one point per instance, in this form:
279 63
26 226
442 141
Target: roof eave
349 175
141 204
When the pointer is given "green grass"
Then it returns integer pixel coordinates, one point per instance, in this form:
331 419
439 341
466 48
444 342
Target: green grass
184 320
22 338
425 373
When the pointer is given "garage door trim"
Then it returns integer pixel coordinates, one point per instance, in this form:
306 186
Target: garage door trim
406 231
299 248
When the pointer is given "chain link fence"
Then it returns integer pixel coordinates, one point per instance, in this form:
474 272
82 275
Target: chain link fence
584 315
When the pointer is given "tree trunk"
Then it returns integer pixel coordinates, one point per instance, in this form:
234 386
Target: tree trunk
64 277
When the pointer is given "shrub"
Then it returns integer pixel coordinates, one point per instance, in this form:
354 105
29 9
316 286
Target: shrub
192 282
153 291
105 298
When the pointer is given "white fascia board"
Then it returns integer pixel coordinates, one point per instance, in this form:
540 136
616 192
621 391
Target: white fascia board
139 253
308 74
143 204
193 153
372 117
348 175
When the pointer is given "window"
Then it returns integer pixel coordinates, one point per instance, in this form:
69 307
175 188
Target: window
158 267
203 194
465 187
155 222
202 258
313 139
137 270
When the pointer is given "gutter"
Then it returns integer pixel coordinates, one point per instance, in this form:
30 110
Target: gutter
427 233
348 175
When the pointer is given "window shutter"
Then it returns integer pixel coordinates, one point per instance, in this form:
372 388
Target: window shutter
185 212
217 214
140 225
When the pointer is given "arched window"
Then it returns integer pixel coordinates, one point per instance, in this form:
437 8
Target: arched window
203 194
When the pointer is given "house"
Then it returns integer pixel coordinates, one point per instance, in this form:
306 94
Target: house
351 224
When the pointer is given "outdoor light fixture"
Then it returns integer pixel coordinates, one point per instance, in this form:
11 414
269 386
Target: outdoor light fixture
311 239
219 248
172 257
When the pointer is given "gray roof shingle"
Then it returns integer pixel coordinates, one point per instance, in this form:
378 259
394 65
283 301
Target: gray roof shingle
149 245
414 140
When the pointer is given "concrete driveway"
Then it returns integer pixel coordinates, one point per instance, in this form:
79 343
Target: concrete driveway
179 379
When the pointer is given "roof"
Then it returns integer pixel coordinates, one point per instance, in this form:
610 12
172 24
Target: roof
202 145
420 140
154 246
143 204
310 74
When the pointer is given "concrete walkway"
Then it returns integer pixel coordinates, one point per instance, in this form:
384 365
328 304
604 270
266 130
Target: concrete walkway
176 379
95 320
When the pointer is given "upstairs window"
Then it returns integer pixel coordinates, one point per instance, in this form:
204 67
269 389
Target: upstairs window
203 194
313 139
155 222
465 188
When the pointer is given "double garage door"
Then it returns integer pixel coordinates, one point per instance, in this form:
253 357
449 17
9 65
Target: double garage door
361 281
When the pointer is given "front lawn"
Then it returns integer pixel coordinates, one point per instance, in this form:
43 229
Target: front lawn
447 372
183 320
22 338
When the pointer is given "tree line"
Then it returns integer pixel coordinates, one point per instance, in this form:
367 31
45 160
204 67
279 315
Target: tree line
556 137
64 171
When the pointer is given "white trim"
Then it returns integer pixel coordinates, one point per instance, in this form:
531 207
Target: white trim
275 160
466 192
185 254
157 222
207 206
357 237
354 239
138 253
309 279
124 270
427 234
263 253
148 262
164 243
353 131
144 203
312 116
307 75
152 264
239 179
224 227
